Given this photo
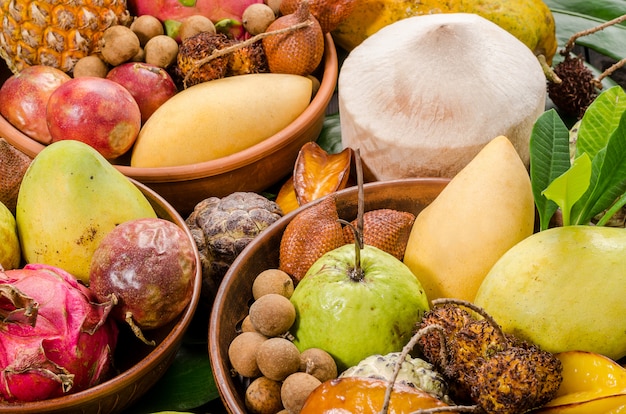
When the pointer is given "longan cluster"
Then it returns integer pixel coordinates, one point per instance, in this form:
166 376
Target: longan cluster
281 376
144 41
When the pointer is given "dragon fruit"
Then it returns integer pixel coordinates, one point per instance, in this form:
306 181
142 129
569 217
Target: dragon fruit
55 339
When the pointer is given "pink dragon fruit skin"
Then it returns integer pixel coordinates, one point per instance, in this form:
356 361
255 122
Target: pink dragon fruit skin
215 10
70 346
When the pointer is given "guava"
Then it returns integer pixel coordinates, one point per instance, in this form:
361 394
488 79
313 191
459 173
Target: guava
353 315
10 252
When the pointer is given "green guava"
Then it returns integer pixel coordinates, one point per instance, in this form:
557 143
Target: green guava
352 317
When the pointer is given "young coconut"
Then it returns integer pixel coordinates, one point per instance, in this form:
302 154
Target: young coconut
423 95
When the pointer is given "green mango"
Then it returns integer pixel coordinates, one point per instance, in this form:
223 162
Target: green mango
69 199
563 289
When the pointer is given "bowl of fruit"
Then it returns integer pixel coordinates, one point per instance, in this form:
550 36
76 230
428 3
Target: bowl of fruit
88 322
259 268
203 125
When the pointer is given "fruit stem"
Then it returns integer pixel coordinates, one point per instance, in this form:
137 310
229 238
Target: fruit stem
597 82
136 330
229 49
572 40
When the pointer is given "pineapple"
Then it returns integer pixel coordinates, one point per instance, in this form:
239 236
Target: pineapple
55 32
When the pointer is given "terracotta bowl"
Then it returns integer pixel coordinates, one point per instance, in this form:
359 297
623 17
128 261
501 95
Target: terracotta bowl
235 293
254 169
140 366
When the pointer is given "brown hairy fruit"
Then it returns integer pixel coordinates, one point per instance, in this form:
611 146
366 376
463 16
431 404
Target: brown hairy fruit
272 314
278 358
263 396
576 90
387 229
13 166
297 52
272 281
312 232
319 363
296 389
242 353
329 13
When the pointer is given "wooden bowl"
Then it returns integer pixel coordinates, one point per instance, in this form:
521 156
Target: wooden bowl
140 366
235 293
254 169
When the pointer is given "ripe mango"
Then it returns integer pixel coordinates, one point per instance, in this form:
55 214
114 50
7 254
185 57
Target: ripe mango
563 289
214 119
69 199
530 21
487 208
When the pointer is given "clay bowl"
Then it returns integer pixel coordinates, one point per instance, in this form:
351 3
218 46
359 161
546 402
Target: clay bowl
254 169
235 293
140 366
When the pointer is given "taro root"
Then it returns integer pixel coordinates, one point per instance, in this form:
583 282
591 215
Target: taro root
56 339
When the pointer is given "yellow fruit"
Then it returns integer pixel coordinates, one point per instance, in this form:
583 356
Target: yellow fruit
530 21
369 16
487 208
55 33
10 253
219 118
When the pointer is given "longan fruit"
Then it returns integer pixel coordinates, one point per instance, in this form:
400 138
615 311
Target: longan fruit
242 353
272 281
90 65
246 325
119 44
296 389
278 358
319 363
274 5
272 314
195 24
146 27
263 396
257 17
161 51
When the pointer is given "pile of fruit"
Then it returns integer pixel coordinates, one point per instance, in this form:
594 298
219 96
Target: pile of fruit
73 276
130 62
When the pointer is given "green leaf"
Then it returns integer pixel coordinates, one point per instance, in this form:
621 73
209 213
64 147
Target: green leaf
187 384
601 9
330 137
610 42
549 158
608 181
600 120
567 188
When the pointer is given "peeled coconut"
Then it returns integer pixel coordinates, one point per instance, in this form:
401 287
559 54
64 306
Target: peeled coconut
423 95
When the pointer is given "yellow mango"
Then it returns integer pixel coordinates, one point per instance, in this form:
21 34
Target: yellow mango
531 21
214 119
610 404
487 208
69 199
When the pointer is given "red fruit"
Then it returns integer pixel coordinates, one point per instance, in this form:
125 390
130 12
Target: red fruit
150 85
215 10
24 97
149 265
55 338
96 111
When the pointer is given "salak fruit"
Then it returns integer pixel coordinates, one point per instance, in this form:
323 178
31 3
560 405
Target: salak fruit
55 338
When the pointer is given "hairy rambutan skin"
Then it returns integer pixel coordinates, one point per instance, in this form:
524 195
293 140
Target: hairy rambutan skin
576 90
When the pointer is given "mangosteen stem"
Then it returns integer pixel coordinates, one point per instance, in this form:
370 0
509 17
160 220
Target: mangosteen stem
229 49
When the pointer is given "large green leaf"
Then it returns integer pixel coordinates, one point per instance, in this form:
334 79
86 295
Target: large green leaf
601 9
600 120
549 158
567 188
